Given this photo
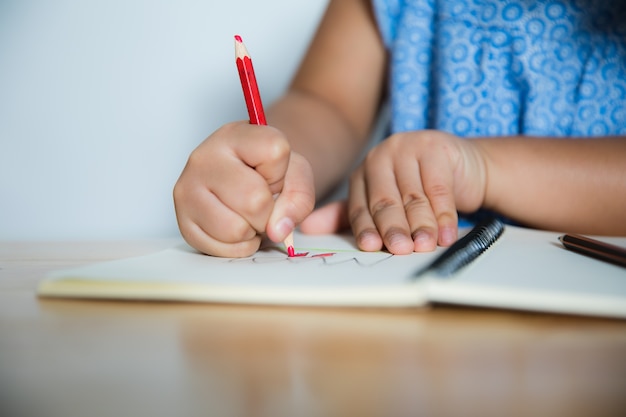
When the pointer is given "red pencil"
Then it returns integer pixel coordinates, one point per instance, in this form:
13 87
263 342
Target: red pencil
253 102
248 83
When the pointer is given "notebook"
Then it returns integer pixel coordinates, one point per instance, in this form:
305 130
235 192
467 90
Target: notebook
524 269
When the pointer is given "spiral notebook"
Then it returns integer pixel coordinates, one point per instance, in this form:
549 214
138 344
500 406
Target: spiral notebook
511 268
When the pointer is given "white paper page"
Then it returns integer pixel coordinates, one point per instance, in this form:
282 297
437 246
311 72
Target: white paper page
530 269
346 276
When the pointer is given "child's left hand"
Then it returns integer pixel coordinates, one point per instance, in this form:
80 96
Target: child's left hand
406 193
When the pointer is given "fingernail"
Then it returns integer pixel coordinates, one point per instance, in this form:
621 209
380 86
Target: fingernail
369 241
424 241
284 226
447 236
399 243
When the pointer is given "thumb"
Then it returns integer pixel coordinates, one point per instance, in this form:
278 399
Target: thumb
331 218
295 201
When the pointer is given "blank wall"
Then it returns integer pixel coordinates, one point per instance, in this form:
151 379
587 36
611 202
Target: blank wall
101 102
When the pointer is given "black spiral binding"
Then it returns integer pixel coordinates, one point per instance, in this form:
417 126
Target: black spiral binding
466 249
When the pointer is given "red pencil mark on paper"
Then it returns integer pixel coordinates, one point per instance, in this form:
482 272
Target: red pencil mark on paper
326 259
291 252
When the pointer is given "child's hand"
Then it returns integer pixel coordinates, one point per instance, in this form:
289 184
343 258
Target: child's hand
406 193
226 198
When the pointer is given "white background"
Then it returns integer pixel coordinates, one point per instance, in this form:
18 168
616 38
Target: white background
101 102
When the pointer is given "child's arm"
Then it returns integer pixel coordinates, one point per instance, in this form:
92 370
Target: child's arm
334 98
406 193
573 185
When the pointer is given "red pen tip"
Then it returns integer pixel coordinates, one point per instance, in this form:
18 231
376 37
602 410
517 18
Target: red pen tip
238 38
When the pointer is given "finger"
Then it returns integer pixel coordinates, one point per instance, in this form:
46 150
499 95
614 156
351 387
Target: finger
247 171
295 201
197 237
361 221
438 182
199 212
243 191
217 220
419 214
386 208
331 218
265 149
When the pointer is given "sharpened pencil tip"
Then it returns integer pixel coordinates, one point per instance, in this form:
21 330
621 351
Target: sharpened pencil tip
238 38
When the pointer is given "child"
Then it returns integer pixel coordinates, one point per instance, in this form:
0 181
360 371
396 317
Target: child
482 95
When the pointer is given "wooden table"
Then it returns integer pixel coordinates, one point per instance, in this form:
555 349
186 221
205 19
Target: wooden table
98 358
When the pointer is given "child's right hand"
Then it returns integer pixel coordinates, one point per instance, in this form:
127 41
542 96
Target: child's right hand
225 198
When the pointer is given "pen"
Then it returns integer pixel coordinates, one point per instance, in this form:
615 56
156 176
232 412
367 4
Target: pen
595 248
253 102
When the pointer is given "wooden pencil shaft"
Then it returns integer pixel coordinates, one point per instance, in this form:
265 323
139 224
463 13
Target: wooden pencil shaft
251 91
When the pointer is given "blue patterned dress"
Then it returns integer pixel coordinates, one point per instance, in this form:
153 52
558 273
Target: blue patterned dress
491 68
